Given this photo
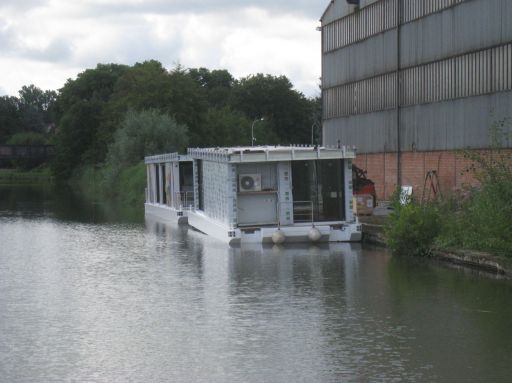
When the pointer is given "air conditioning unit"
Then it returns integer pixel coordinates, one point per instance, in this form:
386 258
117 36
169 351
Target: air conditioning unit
249 182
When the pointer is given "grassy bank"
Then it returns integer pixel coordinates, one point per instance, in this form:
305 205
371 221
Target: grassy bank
124 191
477 218
38 175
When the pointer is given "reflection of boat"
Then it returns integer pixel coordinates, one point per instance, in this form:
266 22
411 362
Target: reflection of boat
331 248
257 194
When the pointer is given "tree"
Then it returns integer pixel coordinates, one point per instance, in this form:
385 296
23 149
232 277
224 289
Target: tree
79 112
10 119
149 85
225 127
145 133
74 142
188 104
287 112
217 84
36 107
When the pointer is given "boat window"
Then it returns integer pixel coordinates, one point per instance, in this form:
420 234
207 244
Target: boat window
164 185
200 184
157 183
318 191
187 183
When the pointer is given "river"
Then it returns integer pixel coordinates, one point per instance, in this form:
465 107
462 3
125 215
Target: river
87 295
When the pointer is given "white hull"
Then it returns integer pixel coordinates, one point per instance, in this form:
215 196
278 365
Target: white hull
166 214
298 233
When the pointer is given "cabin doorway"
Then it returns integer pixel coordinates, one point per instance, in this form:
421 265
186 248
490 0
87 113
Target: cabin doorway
318 190
186 171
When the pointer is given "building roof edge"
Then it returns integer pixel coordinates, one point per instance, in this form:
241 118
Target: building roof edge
326 9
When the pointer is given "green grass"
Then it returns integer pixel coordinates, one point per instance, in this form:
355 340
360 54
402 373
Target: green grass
126 190
35 176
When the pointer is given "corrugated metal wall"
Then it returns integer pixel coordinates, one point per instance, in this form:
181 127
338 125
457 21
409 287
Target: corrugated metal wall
455 78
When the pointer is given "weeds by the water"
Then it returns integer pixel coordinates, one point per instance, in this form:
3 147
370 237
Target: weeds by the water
412 227
18 176
479 218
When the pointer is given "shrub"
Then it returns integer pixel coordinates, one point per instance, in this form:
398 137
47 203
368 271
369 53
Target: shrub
412 227
141 134
27 138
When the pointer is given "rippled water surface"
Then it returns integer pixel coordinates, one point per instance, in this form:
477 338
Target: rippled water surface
84 297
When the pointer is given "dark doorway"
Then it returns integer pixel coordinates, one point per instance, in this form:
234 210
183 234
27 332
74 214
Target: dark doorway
187 183
200 184
318 190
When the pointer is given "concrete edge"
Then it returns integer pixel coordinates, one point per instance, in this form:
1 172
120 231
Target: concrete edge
374 235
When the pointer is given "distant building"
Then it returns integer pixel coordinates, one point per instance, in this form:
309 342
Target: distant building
409 93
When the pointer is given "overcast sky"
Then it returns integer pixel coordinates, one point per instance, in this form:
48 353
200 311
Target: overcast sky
45 42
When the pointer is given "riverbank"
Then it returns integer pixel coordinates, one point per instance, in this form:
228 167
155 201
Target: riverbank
35 176
374 233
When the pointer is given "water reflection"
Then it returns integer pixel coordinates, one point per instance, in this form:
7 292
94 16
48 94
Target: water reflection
63 203
118 301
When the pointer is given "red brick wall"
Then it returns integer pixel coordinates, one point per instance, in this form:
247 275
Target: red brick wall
451 169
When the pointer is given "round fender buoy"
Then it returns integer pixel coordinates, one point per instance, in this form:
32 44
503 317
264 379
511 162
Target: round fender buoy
278 237
314 234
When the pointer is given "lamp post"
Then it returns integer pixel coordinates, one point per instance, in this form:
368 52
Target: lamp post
252 129
313 133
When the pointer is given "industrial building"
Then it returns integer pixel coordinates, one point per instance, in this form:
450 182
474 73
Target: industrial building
410 82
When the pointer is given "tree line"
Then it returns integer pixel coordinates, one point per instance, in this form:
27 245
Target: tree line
117 113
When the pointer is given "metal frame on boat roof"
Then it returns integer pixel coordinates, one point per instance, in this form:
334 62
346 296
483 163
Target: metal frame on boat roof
168 157
271 153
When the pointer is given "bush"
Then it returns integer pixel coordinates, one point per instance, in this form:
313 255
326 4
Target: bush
141 134
27 138
412 227
485 216
479 219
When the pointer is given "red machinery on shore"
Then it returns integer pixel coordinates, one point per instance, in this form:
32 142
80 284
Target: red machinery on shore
363 185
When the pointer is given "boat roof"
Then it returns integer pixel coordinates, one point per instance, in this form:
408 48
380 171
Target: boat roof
168 157
271 153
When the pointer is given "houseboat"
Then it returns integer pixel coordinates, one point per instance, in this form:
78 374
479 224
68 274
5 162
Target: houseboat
264 194
170 189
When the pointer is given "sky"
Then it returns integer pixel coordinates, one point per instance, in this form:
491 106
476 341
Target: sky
45 42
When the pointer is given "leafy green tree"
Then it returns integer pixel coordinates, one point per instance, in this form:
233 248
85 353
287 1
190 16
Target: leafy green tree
145 133
188 104
79 112
36 107
217 83
149 85
10 119
287 112
77 133
142 86
93 84
225 127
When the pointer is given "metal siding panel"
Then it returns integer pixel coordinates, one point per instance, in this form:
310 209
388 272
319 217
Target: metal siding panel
377 136
506 25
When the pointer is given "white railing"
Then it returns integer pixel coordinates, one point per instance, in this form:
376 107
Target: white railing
183 200
303 211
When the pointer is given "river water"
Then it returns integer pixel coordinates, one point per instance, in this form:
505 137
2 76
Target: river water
90 296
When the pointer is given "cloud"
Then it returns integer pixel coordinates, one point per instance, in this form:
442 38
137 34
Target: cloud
6 36
245 37
18 6
55 51
166 7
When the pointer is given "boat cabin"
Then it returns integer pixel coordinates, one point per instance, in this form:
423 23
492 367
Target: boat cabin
252 193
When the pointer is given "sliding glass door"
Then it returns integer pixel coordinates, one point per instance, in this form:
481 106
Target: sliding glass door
318 190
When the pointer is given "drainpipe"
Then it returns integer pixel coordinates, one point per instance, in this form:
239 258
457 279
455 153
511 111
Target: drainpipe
398 94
